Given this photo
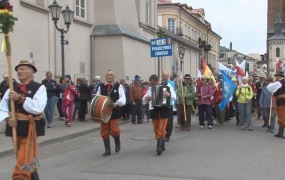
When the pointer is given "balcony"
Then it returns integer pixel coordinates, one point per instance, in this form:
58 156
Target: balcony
175 30
203 45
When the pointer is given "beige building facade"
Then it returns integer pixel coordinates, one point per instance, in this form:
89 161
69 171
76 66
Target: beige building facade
191 25
109 34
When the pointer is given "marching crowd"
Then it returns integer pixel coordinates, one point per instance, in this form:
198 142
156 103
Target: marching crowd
251 97
31 99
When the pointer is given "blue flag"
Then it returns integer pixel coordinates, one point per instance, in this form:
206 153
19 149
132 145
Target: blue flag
228 90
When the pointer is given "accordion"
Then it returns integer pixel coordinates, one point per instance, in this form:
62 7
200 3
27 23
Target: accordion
157 96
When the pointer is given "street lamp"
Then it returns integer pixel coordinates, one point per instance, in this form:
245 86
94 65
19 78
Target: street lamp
181 50
67 14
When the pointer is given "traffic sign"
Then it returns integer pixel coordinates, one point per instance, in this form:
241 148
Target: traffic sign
161 47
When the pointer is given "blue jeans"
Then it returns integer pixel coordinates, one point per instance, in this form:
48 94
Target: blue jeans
49 109
204 108
266 112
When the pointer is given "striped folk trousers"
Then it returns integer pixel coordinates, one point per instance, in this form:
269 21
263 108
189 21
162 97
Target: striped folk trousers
281 115
159 126
110 128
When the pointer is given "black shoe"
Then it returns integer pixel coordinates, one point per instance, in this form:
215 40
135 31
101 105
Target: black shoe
82 120
118 144
278 135
159 146
264 125
134 123
140 122
107 147
167 139
237 123
163 146
35 176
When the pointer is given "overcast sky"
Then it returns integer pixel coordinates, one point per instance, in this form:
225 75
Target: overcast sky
242 22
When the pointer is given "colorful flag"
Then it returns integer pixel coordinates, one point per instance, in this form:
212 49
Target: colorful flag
279 65
207 72
175 69
240 72
199 83
226 70
228 90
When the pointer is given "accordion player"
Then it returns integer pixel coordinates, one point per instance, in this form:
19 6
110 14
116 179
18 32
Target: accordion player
158 100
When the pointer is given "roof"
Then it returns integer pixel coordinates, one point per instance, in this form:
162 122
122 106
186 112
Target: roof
277 37
163 2
223 48
113 30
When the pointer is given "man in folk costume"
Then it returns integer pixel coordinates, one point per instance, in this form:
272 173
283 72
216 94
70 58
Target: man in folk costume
278 91
30 100
116 92
187 98
159 116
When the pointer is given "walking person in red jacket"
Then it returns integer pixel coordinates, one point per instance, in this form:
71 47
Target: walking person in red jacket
68 101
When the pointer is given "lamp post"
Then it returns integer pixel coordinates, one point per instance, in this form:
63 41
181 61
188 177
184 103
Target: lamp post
181 50
67 14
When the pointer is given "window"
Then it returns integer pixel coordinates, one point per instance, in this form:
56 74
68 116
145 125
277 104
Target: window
189 31
278 52
196 37
81 9
199 35
193 34
159 20
147 12
171 25
185 30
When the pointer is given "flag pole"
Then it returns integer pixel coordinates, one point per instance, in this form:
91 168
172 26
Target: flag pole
7 22
269 122
11 86
180 79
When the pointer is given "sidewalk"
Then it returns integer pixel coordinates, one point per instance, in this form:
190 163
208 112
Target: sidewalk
57 133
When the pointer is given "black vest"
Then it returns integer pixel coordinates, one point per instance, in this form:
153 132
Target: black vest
114 95
280 91
23 126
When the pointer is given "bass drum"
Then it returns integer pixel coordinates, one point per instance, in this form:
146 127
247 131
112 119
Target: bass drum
101 108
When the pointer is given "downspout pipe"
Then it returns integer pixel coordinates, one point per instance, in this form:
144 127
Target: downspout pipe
92 56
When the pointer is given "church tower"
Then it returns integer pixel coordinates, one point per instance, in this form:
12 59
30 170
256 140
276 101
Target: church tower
276 44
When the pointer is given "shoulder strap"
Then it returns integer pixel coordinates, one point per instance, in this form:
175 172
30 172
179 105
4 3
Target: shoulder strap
112 88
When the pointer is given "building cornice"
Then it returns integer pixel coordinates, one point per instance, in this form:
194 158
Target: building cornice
148 28
179 39
35 7
190 16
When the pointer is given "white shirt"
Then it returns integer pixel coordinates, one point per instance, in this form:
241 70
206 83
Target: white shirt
122 97
172 93
273 87
34 106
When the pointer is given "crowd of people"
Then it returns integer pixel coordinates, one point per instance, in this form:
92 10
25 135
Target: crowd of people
131 101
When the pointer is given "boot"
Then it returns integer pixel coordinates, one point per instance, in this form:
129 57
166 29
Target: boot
35 176
163 145
280 132
118 143
159 146
107 147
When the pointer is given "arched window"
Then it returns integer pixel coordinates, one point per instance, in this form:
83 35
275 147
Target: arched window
278 52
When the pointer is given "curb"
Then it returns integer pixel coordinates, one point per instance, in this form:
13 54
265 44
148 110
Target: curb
59 139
